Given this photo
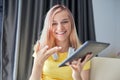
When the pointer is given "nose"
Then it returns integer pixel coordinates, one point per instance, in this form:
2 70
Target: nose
60 27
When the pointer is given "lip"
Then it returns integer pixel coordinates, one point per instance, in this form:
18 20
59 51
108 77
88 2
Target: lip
61 33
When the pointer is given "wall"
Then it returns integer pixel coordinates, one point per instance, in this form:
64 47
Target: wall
107 25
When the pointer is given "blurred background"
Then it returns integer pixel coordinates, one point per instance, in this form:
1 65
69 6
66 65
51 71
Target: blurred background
21 23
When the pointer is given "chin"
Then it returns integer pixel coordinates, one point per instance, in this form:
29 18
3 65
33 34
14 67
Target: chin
61 40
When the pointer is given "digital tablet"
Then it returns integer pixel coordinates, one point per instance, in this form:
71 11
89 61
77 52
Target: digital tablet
93 47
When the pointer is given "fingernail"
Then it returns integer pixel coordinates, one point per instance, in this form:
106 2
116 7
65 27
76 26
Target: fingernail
46 46
39 41
60 47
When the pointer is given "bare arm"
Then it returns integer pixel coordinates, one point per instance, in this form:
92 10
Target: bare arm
38 63
36 71
41 55
85 74
77 69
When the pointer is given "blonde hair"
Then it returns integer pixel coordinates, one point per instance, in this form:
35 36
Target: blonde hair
47 39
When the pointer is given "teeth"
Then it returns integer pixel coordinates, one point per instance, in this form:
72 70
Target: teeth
60 32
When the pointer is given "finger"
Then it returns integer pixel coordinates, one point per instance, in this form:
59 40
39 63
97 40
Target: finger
74 62
37 46
44 49
87 58
79 65
53 50
79 61
75 66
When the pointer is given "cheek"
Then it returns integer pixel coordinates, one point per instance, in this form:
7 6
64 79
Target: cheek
53 28
53 32
51 35
69 29
68 26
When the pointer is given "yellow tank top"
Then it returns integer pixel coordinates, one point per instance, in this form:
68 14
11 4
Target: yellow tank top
51 71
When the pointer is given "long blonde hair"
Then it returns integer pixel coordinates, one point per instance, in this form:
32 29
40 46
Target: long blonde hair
47 39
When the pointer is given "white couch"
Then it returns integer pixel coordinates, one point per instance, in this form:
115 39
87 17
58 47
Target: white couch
105 69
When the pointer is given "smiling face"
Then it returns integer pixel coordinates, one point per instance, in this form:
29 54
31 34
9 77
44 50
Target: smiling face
61 26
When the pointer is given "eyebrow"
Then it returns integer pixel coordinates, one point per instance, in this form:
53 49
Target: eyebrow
66 19
62 19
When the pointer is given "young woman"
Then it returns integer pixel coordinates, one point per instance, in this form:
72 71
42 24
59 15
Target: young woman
59 33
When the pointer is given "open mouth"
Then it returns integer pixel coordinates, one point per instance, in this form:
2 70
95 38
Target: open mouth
61 33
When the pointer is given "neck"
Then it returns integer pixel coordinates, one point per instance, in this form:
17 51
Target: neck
64 44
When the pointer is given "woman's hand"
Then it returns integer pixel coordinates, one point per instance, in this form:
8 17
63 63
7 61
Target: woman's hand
77 67
42 53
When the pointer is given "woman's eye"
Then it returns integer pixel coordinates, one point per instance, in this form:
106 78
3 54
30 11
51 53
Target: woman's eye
54 24
63 22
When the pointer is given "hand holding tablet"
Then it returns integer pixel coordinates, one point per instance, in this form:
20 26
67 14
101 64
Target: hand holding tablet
88 47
